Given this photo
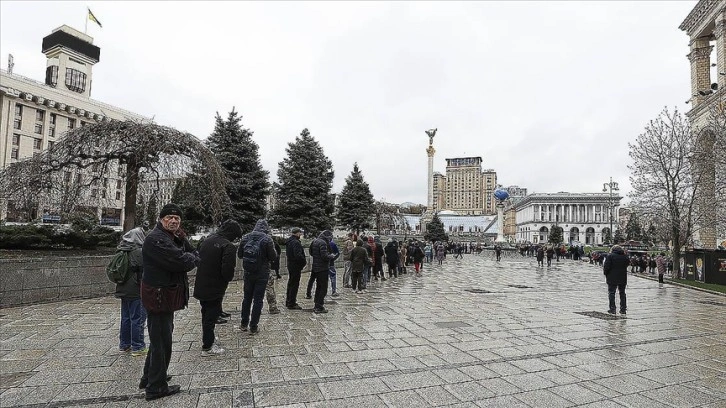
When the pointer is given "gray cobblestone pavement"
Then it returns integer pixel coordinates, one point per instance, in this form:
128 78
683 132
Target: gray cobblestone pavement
471 333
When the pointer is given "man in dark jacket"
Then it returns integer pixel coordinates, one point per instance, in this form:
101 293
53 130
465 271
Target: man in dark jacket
167 257
216 270
255 275
391 252
616 273
319 251
133 314
296 261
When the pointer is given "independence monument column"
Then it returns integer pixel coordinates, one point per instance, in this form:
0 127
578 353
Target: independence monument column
430 151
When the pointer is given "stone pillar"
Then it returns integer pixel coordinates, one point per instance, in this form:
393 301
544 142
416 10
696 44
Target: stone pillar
700 57
430 202
720 33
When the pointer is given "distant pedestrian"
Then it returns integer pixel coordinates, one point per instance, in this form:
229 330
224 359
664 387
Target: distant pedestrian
348 246
440 253
550 255
133 314
616 272
321 255
391 252
257 252
296 261
540 255
418 257
660 262
332 273
498 252
358 260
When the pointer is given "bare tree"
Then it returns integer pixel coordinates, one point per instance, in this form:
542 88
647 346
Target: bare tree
717 127
664 179
389 217
89 157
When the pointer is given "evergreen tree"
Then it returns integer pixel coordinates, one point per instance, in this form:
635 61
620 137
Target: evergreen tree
555 236
435 230
608 238
618 238
356 206
305 181
247 182
152 212
633 231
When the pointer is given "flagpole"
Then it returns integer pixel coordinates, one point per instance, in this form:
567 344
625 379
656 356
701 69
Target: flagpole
85 31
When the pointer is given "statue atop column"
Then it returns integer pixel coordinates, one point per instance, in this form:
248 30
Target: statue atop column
431 133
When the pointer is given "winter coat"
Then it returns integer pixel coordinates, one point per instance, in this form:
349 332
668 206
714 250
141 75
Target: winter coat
334 251
131 242
320 252
296 259
347 248
660 262
167 258
218 260
391 251
373 253
358 257
616 267
418 254
267 247
540 254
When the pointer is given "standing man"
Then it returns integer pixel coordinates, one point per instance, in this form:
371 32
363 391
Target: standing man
616 273
215 271
348 246
320 268
257 252
270 293
331 271
296 261
167 257
498 252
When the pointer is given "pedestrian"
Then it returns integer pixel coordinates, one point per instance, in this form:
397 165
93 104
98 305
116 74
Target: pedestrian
616 273
429 251
216 269
391 252
418 256
276 263
550 254
540 255
498 252
296 261
660 262
133 314
270 293
167 257
440 253
319 251
332 273
348 246
257 252
358 260
368 268
402 256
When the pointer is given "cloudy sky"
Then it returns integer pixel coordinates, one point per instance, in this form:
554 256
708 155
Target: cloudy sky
547 93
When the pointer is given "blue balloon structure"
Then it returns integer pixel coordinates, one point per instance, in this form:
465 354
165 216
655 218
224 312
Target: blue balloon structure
501 195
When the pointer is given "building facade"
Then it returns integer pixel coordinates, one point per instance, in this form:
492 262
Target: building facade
34 115
584 218
466 189
706 29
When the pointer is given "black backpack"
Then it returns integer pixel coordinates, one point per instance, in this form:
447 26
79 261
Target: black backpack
252 253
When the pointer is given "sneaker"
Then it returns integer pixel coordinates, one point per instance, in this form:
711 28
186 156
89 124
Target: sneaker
243 327
295 307
215 350
145 381
170 390
254 330
139 353
612 312
124 350
274 311
225 315
320 310
335 294
622 312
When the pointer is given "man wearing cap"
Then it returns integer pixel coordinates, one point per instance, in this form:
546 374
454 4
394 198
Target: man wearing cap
296 261
167 256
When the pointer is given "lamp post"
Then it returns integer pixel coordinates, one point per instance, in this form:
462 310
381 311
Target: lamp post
611 186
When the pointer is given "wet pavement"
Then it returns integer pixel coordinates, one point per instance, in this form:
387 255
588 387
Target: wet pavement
471 333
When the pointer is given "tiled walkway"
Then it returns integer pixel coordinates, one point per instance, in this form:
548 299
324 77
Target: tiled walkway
471 333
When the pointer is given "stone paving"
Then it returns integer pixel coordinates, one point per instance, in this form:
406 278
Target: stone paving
471 333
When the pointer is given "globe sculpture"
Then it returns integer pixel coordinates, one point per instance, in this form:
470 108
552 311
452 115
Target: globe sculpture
500 195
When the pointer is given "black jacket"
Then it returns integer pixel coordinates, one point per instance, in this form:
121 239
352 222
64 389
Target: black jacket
319 251
296 259
167 258
616 267
418 254
267 247
216 268
391 251
131 242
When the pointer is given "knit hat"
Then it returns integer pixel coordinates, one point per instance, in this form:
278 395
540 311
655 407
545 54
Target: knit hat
295 230
170 209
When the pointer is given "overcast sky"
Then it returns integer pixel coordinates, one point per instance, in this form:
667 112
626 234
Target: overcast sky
547 93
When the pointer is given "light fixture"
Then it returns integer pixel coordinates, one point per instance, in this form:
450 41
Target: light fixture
722 73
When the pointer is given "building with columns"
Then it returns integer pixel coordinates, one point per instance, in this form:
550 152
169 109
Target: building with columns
584 217
35 114
706 29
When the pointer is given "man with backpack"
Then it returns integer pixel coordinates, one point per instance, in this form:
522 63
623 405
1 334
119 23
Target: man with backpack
126 271
257 251
215 271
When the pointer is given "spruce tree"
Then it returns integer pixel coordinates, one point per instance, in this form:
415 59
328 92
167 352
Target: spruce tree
247 182
435 231
356 206
618 238
305 181
633 231
555 236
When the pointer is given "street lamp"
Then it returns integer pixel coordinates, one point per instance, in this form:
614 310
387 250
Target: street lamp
611 186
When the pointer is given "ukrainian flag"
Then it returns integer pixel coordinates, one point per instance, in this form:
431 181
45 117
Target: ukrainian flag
93 18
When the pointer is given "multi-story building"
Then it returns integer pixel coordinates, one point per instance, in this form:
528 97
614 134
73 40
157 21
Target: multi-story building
584 217
465 189
706 28
34 115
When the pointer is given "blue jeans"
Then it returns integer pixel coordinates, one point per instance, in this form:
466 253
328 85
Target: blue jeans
254 294
333 278
133 320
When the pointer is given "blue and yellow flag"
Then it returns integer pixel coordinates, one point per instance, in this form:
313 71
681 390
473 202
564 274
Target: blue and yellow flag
93 18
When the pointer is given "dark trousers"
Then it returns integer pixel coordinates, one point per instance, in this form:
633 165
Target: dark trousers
611 297
392 271
210 312
311 282
321 288
293 285
660 277
161 327
254 294
357 278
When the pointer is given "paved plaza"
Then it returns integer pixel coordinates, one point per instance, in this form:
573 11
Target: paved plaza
471 333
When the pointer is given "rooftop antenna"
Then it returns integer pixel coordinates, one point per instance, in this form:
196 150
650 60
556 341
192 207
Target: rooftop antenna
11 63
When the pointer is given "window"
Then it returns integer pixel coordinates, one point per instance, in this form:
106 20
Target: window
75 80
50 144
18 110
83 123
118 195
79 178
37 143
71 123
103 193
39 128
94 193
14 153
16 139
118 184
51 131
51 76
17 123
105 182
53 117
39 115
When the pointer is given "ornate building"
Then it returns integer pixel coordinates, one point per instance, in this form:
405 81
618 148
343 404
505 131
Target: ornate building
465 189
583 217
34 115
706 28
